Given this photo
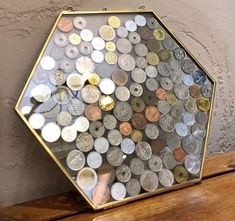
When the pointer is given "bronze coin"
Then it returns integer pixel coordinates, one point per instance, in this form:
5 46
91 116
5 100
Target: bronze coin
145 33
138 121
119 77
153 45
65 25
137 104
152 114
164 55
179 154
125 128
100 194
149 97
158 145
161 94
93 112
194 91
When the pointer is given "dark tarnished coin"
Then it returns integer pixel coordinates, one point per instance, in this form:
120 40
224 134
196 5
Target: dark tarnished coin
126 62
145 33
168 159
164 69
152 23
155 163
151 71
149 180
151 131
109 121
198 131
138 121
84 142
137 104
172 140
201 117
164 55
114 137
114 156
149 98
133 187
194 91
137 166
166 177
169 43
206 91
119 77
190 144
180 174
167 123
177 111
96 129
158 145
181 91
143 150
123 111
123 173
187 66
179 54
153 45
136 89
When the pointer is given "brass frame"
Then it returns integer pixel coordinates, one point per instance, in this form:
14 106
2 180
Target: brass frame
143 195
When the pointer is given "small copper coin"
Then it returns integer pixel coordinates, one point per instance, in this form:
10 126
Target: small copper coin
179 154
161 94
125 128
194 91
158 145
119 77
65 25
93 112
152 114
100 194
138 121
153 45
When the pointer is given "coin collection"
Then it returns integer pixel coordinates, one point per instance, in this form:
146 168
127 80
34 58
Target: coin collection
120 104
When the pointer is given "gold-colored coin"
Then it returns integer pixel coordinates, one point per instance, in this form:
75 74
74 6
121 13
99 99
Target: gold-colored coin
111 58
110 46
136 136
164 55
171 99
114 21
107 33
203 103
180 174
152 58
158 34
106 103
94 79
74 39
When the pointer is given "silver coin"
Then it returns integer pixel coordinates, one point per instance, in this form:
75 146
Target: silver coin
169 43
187 79
149 180
127 146
176 77
192 164
133 187
134 38
96 129
126 62
86 35
118 191
57 77
109 121
79 23
187 66
101 145
85 48
169 160
90 94
97 56
98 43
41 93
122 111
123 173
198 131
36 120
172 140
94 159
75 160
84 142
151 84
190 105
155 163
151 131
122 32
122 93
151 71
76 107
138 75
106 86
130 26
47 63
181 91
136 89
85 65
81 124
64 118
181 129
141 50
177 111
201 117
206 91
166 177
164 69
123 45
114 156
53 111
40 77
141 62
175 65
71 51
152 23
167 123
190 144
114 137
179 54
61 40
140 20
163 106
188 119
166 83
62 95
87 178
136 166
69 134
143 150
56 53
66 65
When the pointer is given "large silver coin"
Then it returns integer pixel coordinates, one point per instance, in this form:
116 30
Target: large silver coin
151 131
96 129
137 166
175 65
187 79
75 160
122 93
133 187
122 32
90 94
190 144
68 134
84 142
143 150
151 71
166 177
138 75
168 160
109 121
114 156
192 164
114 137
177 111
127 146
172 140
101 145
126 62
118 191
206 91
155 163
94 159
198 131
181 129
152 23
166 83
201 117
123 111
167 123
149 180
187 66
123 45
141 62
164 69
188 119
76 107
163 106
169 43
123 173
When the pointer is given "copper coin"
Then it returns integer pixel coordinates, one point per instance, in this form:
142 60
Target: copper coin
145 33
152 114
65 25
93 112
125 128
161 94
158 145
138 121
119 77
194 91
153 45
179 154
100 194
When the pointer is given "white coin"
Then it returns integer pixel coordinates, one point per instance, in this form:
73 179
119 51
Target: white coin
85 65
98 43
122 93
69 134
107 86
41 93
87 178
25 110
130 25
118 191
86 35
81 124
140 20
37 120
127 146
75 81
97 56
94 160
51 132
47 63
101 145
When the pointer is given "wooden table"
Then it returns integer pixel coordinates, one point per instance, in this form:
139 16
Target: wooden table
213 199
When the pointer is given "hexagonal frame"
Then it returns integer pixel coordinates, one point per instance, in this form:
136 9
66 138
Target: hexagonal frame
146 194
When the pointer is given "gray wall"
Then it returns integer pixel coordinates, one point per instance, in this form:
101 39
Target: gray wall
205 27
